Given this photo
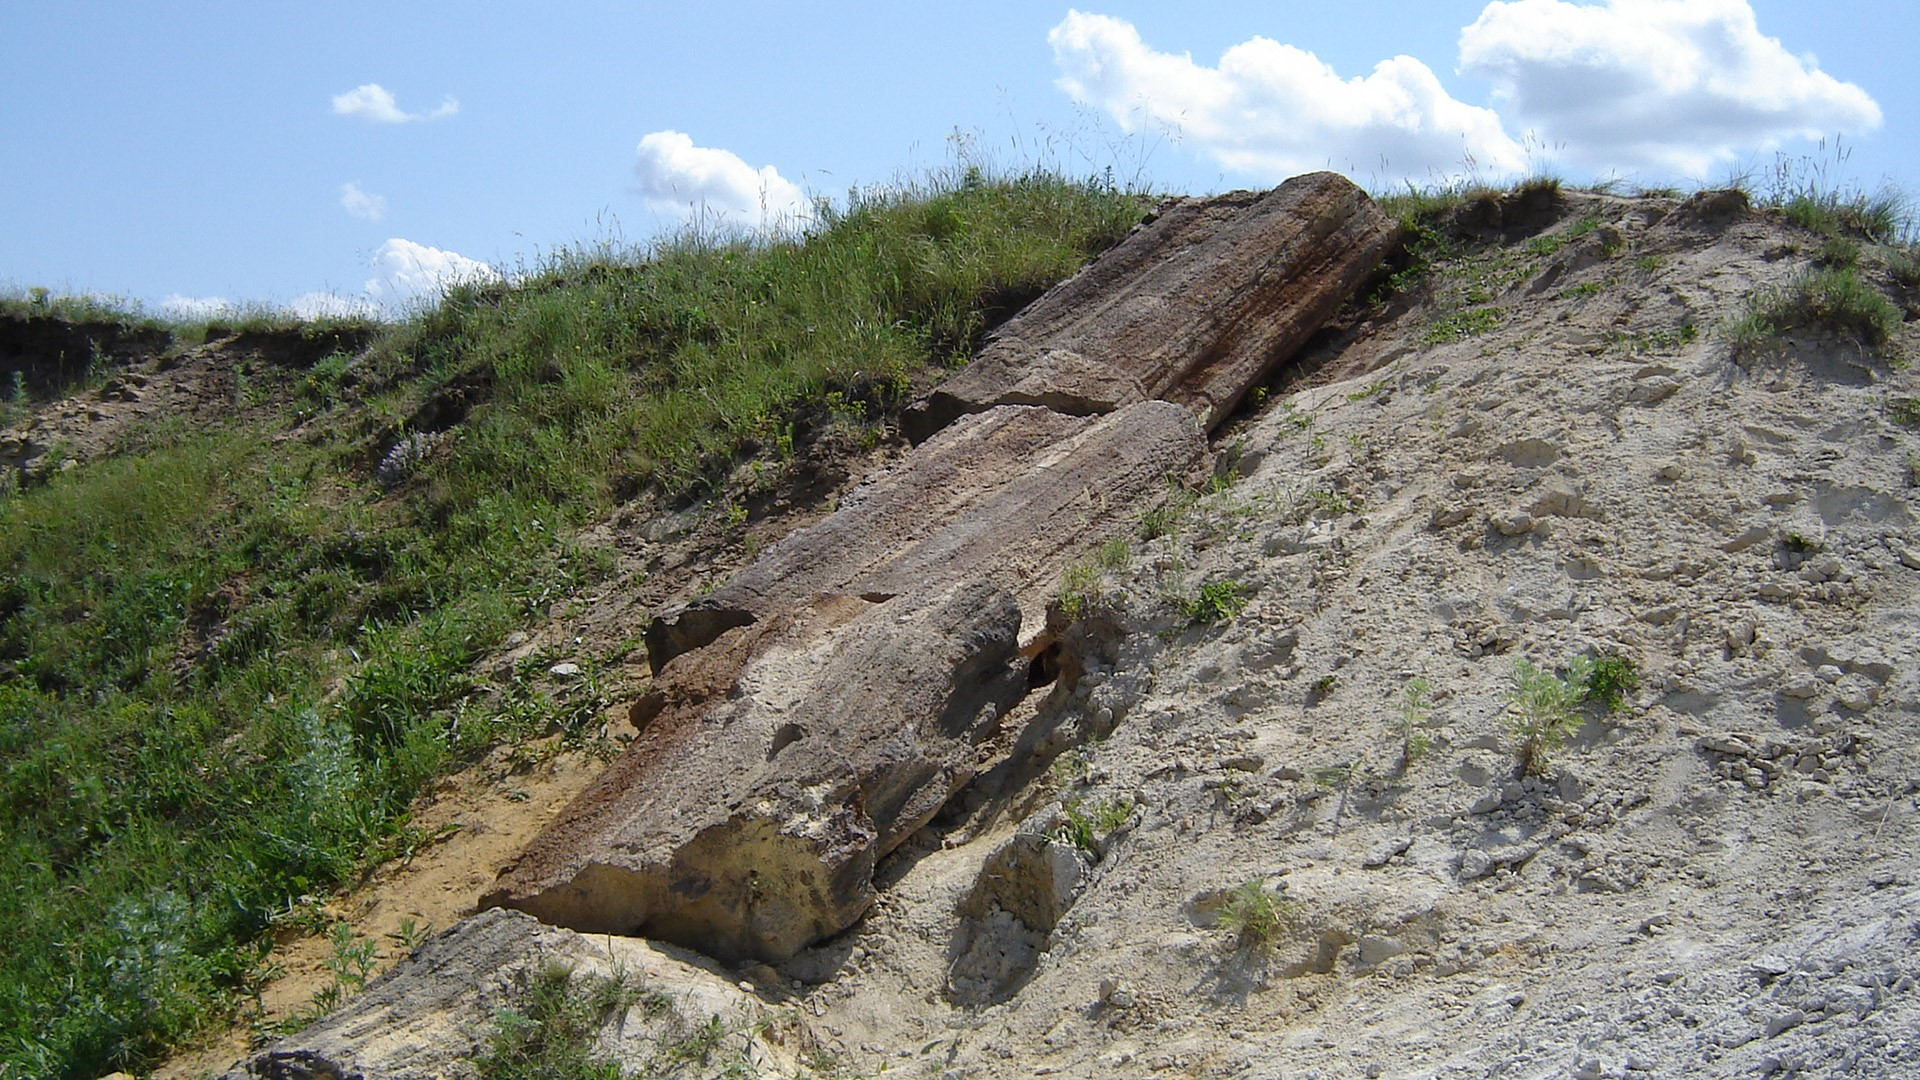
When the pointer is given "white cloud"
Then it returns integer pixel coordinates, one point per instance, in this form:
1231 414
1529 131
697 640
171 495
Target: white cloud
376 103
408 271
361 203
1670 85
323 305
195 307
1272 110
679 177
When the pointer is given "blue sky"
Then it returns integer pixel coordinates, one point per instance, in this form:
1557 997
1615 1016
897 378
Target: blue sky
352 153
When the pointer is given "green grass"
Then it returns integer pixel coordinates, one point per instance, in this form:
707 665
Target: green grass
607 372
1256 918
232 658
1834 299
549 1033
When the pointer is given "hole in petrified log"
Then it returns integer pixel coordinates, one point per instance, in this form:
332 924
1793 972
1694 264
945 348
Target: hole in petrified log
1044 667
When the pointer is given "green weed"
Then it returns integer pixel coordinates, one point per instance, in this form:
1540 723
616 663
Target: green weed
1415 705
1604 680
549 1033
1256 918
1460 325
1216 602
1541 707
1086 824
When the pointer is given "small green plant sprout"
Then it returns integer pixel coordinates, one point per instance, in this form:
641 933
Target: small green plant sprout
1541 708
1605 680
1904 411
1254 916
1086 823
1416 704
353 958
410 935
1216 602
1080 590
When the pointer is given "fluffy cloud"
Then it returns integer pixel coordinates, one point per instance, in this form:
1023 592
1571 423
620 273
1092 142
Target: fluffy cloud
375 102
1273 110
678 177
361 203
1673 87
407 271
1669 85
195 307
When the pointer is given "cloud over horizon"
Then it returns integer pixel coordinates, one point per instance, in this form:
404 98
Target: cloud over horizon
407 271
1275 110
677 177
376 103
1673 87
360 203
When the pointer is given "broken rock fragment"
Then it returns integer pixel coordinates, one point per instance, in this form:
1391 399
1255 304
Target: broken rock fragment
1196 307
776 766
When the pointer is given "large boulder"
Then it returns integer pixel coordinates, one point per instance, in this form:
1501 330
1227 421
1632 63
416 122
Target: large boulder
775 767
1196 307
1011 495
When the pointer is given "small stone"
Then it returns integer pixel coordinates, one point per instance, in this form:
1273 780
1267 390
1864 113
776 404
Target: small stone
1649 391
1672 470
1786 1021
1828 673
564 670
1512 522
1801 688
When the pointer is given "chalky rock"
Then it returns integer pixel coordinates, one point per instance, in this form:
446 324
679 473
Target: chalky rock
774 768
1196 307
433 1015
1011 495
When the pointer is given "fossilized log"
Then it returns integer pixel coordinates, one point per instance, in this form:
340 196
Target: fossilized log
746 823
1196 307
1010 495
434 1014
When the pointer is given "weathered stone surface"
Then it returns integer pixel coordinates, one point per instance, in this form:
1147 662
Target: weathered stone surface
1011 495
1196 308
434 1014
775 767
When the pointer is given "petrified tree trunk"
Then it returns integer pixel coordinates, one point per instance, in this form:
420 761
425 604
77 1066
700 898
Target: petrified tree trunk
1197 307
747 823
1011 495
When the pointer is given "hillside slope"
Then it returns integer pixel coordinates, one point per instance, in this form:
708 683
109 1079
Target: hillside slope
1280 814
